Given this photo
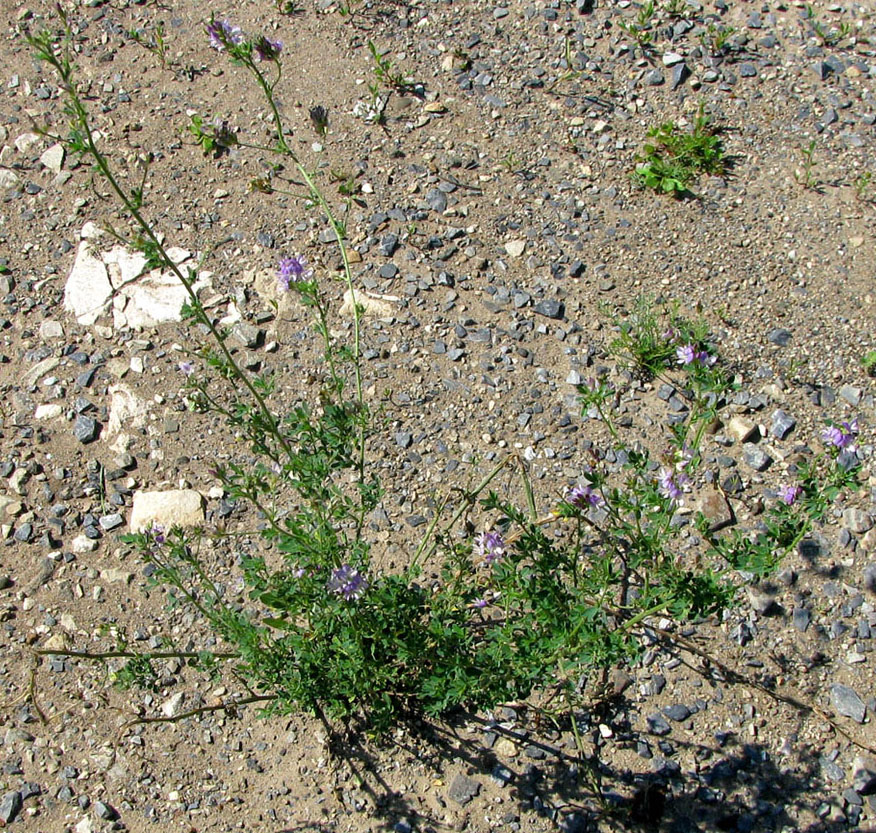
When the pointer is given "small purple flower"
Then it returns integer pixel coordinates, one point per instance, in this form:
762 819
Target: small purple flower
221 32
841 436
581 497
479 604
684 457
157 533
490 546
789 494
688 354
187 368
266 49
348 582
671 485
292 270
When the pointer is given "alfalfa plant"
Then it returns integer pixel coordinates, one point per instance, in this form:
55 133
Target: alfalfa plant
531 601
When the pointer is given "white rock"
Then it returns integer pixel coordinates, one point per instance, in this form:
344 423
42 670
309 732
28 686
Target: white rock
26 141
9 506
85 825
515 248
39 370
126 411
51 329
53 158
173 706
82 544
740 429
8 180
177 507
52 410
88 289
670 59
378 306
141 300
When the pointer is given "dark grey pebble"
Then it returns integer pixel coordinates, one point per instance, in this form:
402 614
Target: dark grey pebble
680 74
23 533
388 245
747 70
105 811
436 200
550 308
756 457
778 336
801 617
654 78
658 725
463 789
10 807
85 429
677 712
783 424
847 702
388 270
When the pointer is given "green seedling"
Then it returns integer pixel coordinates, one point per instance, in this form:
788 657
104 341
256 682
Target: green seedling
640 30
806 175
387 73
153 41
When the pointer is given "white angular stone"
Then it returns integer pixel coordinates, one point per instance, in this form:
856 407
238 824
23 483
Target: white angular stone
515 248
84 825
126 411
740 429
88 289
39 370
52 410
173 706
53 158
376 306
82 544
26 141
51 329
8 180
177 507
141 299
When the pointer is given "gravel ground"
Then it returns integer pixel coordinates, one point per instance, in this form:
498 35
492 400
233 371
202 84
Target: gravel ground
494 212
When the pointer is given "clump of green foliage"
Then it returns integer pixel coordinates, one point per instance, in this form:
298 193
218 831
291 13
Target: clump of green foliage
673 158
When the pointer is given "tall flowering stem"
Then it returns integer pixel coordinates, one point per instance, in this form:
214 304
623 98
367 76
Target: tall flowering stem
82 140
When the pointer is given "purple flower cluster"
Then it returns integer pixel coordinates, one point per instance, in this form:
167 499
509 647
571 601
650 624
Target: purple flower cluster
157 533
841 436
582 497
688 354
671 484
222 33
266 49
789 494
348 582
490 546
292 270
186 368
